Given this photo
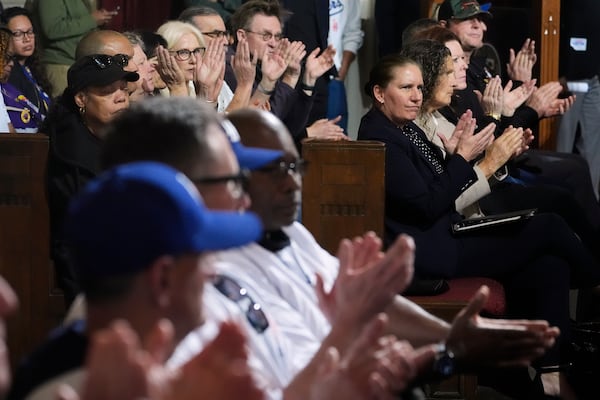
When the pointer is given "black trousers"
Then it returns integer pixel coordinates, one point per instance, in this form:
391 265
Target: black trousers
538 261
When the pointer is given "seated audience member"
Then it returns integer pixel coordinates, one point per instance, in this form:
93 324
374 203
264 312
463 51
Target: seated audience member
199 66
62 25
26 91
567 171
242 61
208 21
290 258
141 240
287 91
151 42
96 93
6 64
207 160
145 85
422 187
111 43
546 198
212 27
201 149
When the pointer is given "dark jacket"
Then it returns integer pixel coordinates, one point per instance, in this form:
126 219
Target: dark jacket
419 201
73 160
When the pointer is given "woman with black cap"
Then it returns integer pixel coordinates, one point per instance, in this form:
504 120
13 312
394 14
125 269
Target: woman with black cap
96 93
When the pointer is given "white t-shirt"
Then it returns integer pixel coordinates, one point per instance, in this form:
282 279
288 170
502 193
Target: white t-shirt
289 275
344 28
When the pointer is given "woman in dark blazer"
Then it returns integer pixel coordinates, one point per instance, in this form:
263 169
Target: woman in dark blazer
537 260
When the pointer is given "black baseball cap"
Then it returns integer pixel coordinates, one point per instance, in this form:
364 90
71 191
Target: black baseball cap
97 70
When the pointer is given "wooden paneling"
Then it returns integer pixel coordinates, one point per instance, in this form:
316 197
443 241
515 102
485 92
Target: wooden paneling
343 190
24 241
547 18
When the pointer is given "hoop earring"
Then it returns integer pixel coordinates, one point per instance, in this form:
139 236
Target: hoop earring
82 111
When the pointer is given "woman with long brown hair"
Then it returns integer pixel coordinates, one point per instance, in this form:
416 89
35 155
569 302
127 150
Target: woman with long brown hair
26 93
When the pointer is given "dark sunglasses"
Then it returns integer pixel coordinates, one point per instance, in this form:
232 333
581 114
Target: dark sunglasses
103 61
254 313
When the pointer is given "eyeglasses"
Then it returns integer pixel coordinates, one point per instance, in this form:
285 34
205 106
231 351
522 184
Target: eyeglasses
20 35
185 54
217 34
282 168
236 184
102 61
254 313
266 36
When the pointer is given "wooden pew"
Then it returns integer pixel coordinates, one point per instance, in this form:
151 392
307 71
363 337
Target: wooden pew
24 241
343 189
343 196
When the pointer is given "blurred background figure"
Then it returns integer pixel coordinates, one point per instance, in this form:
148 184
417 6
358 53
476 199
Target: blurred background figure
27 91
62 23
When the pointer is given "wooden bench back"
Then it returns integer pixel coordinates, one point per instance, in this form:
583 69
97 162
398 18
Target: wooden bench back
24 241
343 190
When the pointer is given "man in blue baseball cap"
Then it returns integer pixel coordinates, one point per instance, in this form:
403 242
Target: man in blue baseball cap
141 240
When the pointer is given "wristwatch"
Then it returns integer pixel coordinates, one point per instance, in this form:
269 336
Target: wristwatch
444 364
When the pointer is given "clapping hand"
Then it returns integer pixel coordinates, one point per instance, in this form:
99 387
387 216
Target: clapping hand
520 65
478 341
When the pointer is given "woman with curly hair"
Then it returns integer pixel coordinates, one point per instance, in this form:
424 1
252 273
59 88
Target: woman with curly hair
6 64
26 94
422 184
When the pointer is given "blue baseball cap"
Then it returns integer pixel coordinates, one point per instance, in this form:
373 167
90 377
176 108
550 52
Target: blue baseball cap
134 213
248 157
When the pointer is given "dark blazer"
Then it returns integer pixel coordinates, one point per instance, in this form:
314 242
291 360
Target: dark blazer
419 201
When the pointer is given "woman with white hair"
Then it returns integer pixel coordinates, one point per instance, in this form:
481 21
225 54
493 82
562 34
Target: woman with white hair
192 67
